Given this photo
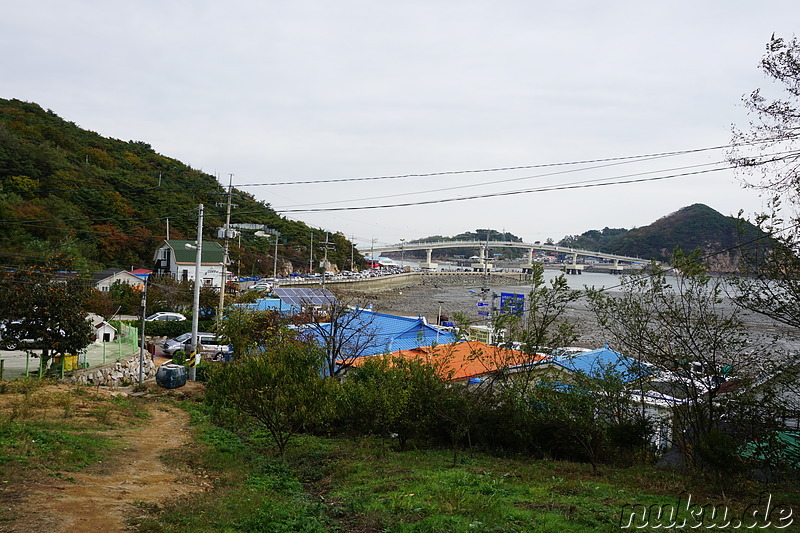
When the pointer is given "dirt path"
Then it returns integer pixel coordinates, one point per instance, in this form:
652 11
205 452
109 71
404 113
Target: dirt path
101 497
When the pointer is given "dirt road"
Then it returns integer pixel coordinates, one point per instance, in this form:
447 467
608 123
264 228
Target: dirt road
101 497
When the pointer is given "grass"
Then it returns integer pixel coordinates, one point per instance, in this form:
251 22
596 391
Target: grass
334 484
344 485
49 429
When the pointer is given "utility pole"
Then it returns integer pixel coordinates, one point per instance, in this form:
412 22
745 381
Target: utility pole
224 274
275 263
141 340
197 280
167 229
311 255
239 262
325 260
352 250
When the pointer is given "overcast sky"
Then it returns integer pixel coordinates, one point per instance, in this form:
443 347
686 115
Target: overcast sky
319 90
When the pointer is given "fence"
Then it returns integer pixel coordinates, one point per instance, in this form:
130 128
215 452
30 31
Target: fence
14 364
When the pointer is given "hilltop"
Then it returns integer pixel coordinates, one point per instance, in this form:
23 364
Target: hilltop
106 202
693 227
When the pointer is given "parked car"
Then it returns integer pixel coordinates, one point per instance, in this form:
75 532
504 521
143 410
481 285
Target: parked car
173 345
165 316
209 345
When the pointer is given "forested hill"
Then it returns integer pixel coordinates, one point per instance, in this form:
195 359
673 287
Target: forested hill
694 227
106 202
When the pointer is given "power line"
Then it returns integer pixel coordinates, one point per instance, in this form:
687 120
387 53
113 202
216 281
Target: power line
492 183
496 169
500 194
217 187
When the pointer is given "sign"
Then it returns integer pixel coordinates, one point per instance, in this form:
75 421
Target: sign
483 313
483 304
512 303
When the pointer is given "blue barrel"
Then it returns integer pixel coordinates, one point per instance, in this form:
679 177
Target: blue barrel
171 376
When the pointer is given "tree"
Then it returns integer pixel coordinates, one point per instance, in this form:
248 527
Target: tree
344 331
769 149
164 293
278 384
248 330
46 303
682 328
393 395
540 326
768 157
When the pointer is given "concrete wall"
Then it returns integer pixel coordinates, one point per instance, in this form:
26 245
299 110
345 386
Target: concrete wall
411 279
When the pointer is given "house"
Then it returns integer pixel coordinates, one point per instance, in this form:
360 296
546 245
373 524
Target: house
637 378
178 259
372 333
468 361
105 279
593 363
293 300
270 304
104 332
142 273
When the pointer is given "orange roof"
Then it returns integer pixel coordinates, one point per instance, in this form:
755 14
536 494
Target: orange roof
464 360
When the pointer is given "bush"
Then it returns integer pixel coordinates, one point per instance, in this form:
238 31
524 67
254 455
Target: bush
392 396
281 388
179 357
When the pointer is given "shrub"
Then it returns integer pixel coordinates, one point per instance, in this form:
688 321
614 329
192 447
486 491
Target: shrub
280 387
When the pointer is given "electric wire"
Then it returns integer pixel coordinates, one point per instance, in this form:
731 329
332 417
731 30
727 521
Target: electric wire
500 194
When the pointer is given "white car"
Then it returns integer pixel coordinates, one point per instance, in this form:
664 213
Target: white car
165 316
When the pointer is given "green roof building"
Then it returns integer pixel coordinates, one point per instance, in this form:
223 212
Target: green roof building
178 259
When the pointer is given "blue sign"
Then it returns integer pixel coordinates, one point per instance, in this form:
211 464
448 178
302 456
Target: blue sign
512 303
483 304
483 313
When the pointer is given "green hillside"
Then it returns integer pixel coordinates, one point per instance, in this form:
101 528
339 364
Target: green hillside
106 202
477 235
694 227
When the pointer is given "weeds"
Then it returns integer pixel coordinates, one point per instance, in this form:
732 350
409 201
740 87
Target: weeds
66 401
102 414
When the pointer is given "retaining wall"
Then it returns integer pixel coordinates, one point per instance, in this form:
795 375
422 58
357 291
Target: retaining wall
410 279
116 374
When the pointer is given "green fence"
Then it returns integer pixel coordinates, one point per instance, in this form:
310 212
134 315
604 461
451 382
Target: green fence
14 364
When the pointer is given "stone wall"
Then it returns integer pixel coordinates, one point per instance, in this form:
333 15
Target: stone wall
119 373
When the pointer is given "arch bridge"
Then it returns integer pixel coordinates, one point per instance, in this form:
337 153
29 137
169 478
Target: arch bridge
483 246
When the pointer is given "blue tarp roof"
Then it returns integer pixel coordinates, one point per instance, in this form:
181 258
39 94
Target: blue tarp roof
391 333
596 362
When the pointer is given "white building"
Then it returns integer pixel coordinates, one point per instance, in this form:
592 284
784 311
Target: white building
176 259
105 279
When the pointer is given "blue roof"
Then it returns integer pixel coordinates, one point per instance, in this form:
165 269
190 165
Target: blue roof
596 362
391 333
